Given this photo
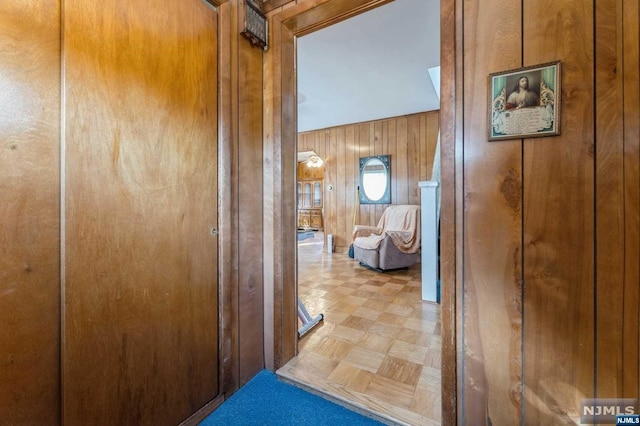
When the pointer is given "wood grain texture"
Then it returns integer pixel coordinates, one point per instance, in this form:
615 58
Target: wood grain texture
450 57
272 190
492 226
401 194
250 214
30 211
413 157
141 295
342 217
288 243
269 5
432 142
559 221
609 192
322 13
631 81
228 198
380 137
280 235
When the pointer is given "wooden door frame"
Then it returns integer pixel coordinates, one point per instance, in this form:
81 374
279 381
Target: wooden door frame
280 161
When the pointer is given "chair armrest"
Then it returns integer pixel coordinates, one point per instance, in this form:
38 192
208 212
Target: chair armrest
363 231
407 242
403 235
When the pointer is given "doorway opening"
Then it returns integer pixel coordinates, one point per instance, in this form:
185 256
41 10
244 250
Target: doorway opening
377 332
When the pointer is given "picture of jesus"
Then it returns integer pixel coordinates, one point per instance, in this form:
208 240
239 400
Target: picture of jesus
522 96
525 102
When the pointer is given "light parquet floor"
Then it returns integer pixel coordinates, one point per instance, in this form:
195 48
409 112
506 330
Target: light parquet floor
378 348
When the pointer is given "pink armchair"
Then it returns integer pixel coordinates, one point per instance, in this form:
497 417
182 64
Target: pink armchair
394 243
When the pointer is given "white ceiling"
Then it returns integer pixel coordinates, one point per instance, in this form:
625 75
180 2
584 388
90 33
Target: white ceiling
374 65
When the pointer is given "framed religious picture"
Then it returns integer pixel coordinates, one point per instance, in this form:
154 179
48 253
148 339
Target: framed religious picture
525 102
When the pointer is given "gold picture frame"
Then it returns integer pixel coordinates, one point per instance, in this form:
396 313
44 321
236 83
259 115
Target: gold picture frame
525 102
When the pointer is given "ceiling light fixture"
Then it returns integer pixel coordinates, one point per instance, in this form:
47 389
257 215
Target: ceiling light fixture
315 161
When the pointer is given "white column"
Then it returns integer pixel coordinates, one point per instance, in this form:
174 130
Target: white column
429 219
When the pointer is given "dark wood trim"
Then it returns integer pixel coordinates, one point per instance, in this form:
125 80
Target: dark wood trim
216 3
250 213
289 167
228 198
279 195
272 212
197 417
457 152
326 13
270 5
609 189
448 122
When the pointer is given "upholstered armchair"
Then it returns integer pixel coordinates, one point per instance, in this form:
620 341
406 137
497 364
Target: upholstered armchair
394 243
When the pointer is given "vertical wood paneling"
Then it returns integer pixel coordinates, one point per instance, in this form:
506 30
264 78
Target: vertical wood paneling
424 149
492 223
250 213
392 149
455 151
289 337
350 183
342 217
228 196
378 146
401 171
451 208
413 157
609 197
140 320
363 151
274 270
341 147
327 136
370 148
631 102
432 142
580 218
559 220
30 211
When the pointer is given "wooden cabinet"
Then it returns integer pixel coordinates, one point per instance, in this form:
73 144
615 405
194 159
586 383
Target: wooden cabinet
310 219
310 204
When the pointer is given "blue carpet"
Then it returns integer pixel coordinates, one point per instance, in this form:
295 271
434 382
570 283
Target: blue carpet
267 401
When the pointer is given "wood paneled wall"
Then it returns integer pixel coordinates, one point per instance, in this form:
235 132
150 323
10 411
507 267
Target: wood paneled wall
548 266
241 180
410 140
30 211
250 214
114 179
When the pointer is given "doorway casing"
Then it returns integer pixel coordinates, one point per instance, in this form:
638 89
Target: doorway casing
280 271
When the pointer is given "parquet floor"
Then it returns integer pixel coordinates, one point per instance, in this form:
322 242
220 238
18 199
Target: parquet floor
378 348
